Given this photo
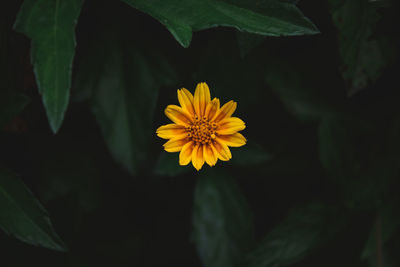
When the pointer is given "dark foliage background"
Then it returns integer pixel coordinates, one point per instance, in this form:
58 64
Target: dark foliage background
316 185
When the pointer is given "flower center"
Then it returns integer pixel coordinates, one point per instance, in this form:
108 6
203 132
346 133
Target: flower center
201 131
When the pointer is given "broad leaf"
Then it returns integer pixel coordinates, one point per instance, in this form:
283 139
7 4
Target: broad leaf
22 216
50 24
386 224
222 222
123 90
364 53
267 17
304 229
303 94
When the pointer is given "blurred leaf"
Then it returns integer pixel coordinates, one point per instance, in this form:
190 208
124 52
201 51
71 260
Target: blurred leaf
387 222
10 106
50 24
351 152
22 216
168 165
304 229
337 148
267 17
222 222
300 91
364 54
124 89
250 154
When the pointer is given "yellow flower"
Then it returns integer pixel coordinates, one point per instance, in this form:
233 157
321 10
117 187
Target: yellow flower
202 131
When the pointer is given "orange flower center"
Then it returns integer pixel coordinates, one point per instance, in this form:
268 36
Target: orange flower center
201 131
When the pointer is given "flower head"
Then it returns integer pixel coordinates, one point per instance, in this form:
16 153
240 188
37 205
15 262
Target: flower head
202 130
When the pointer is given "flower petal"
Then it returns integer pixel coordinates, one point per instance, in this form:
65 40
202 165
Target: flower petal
171 130
230 125
186 153
234 140
178 115
201 99
222 149
198 157
212 109
175 144
210 155
185 99
226 111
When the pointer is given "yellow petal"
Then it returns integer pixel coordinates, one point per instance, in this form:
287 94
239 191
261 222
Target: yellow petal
230 125
226 110
178 115
197 157
185 99
210 155
212 109
201 99
186 153
171 130
234 140
175 144
222 149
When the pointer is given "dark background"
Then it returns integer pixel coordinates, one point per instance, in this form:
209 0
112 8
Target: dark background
295 103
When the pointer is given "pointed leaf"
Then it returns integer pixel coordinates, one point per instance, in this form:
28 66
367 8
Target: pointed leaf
304 229
267 17
22 216
123 89
50 24
222 222
364 54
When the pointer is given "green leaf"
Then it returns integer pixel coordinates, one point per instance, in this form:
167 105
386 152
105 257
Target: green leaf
222 222
22 216
267 17
354 157
50 24
123 90
364 53
303 94
304 229
10 106
386 224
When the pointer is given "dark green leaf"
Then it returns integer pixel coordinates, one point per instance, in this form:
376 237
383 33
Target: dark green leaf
267 17
222 221
304 229
300 91
353 157
22 216
364 54
387 222
123 87
50 24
